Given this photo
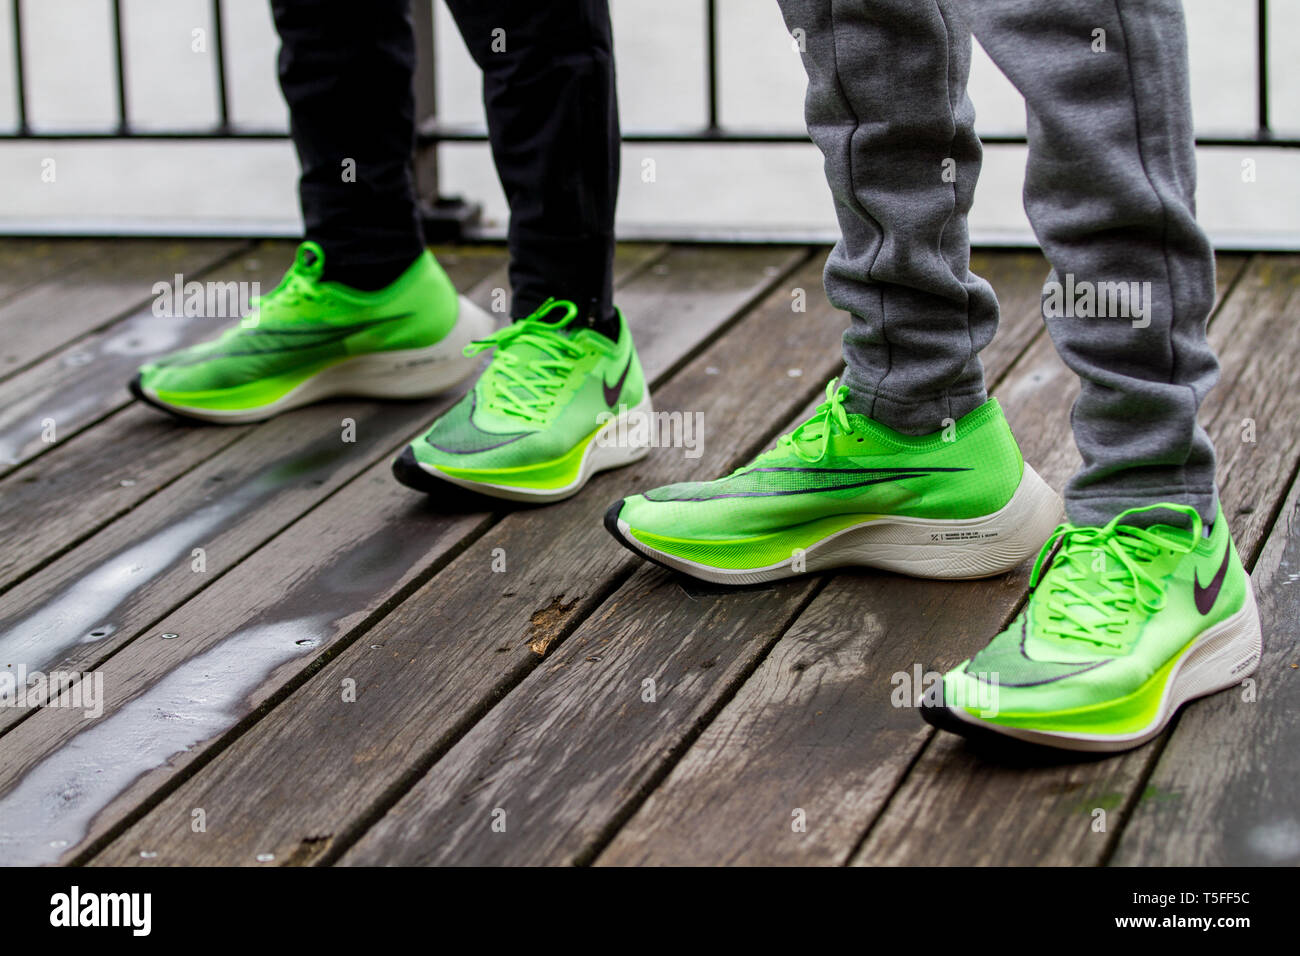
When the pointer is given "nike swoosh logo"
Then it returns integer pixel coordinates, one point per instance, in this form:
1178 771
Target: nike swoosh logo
612 392
1052 671
881 475
902 472
328 329
505 439
1206 596
323 337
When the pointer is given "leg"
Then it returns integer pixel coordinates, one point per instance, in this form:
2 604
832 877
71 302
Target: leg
347 79
548 83
1109 191
1123 596
364 309
887 106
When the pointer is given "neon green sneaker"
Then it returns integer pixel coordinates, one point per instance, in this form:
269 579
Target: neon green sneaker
308 340
842 489
557 403
1123 626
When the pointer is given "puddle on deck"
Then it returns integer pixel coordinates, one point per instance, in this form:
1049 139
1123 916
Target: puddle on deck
53 806
83 610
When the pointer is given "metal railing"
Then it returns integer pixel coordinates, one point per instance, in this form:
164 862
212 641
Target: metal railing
445 217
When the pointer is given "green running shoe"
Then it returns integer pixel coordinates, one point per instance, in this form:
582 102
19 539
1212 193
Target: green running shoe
842 489
308 340
1123 626
557 403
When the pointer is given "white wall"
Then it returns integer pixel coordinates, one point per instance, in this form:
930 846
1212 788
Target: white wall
703 191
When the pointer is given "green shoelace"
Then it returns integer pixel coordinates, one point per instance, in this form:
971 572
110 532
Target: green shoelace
525 386
830 415
1075 611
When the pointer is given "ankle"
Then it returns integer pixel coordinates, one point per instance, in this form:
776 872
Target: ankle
366 276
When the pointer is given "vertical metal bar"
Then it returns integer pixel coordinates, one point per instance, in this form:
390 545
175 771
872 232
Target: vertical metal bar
219 63
445 218
1261 67
426 98
20 75
711 61
119 62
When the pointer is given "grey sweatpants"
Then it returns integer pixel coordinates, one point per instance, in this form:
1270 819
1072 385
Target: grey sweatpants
1109 192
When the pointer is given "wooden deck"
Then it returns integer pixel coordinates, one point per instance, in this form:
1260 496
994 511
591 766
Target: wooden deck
304 663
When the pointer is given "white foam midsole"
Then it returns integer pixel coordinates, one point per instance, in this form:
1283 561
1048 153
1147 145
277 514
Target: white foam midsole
921 547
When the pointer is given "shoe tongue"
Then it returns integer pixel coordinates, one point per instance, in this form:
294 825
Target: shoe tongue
1172 533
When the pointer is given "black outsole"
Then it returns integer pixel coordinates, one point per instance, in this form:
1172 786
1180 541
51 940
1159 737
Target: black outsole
408 472
1004 747
611 525
137 391
611 521
446 496
941 718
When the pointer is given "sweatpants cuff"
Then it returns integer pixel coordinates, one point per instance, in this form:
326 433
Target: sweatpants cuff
1099 511
914 418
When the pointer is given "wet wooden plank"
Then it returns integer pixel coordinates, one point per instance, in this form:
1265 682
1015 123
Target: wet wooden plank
111 280
803 758
86 604
461 640
49 738
574 748
965 804
1017 277
58 500
239 646
85 483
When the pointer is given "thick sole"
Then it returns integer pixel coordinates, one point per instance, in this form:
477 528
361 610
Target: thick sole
397 374
601 454
1221 657
920 547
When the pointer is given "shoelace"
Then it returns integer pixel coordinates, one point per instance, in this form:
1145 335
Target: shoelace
1125 582
301 283
527 386
829 415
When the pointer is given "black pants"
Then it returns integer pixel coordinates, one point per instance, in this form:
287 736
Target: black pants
346 71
